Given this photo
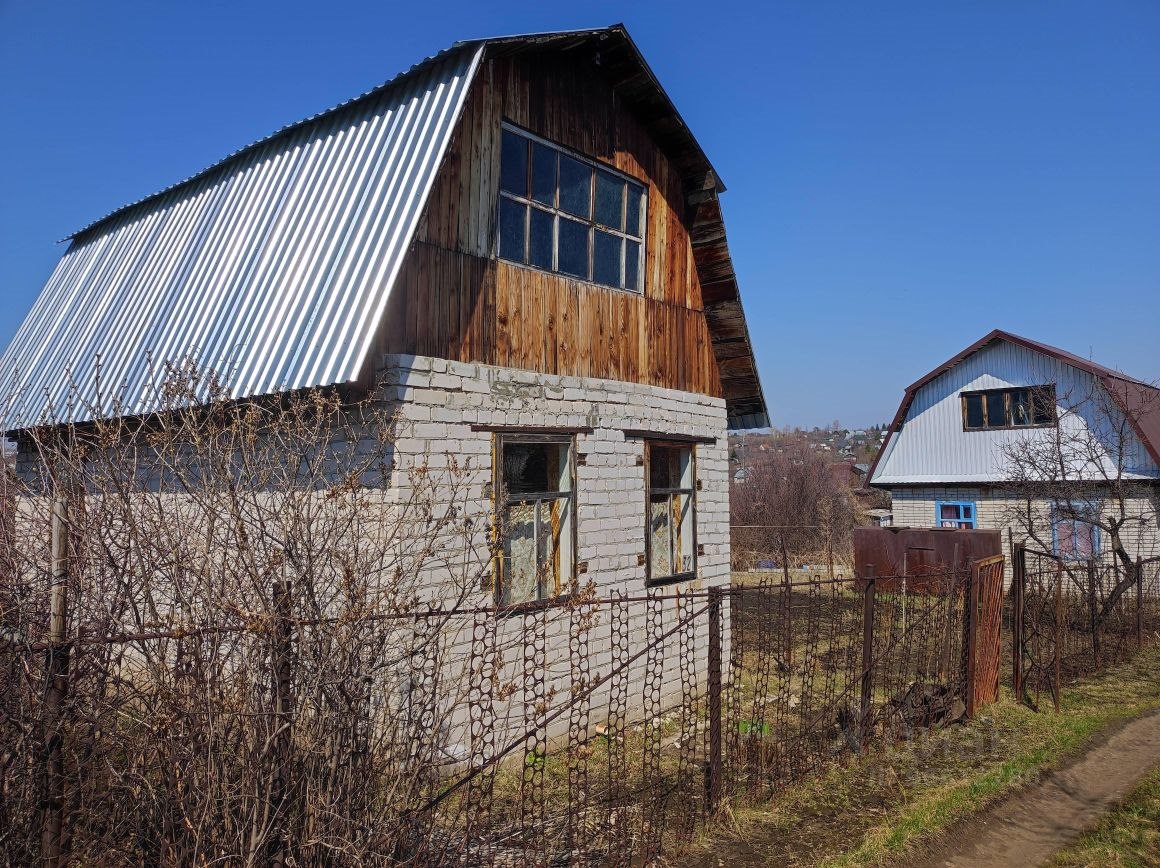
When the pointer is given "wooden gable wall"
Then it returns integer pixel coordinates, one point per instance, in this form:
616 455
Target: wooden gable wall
454 300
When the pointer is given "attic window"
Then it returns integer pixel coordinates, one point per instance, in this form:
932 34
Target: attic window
561 212
1023 407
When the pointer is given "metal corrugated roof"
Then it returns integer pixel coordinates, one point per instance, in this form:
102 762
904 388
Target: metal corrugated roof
270 269
928 445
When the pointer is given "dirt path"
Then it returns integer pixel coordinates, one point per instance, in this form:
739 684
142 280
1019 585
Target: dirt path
1034 823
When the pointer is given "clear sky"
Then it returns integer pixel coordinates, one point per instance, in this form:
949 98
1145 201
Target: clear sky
903 177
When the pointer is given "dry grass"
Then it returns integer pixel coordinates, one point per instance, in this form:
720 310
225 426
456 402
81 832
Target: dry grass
876 809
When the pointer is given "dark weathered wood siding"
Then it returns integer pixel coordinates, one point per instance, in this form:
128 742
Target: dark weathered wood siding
455 300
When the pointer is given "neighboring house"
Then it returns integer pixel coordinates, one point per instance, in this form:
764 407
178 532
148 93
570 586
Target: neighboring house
1020 436
518 240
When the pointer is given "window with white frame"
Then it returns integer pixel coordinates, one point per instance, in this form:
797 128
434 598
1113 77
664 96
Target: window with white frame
955 513
1074 533
536 508
561 212
671 520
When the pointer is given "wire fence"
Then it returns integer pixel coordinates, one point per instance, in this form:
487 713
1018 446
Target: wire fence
1072 618
592 729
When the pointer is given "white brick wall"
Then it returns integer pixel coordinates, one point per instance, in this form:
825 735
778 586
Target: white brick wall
914 506
439 401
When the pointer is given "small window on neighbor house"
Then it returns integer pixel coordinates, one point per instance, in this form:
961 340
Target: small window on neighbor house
561 212
671 520
1074 535
535 497
955 514
1009 408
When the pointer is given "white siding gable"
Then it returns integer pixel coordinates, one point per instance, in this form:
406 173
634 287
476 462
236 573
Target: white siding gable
932 447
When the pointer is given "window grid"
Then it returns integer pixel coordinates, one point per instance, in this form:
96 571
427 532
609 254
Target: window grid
955 513
554 565
1014 407
1074 536
681 529
630 279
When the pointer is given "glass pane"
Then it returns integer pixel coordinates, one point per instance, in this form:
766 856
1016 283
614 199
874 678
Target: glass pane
540 239
683 538
996 410
974 411
660 545
606 258
575 187
519 555
631 265
967 511
609 200
512 216
1044 401
543 174
531 467
1020 407
1085 540
949 510
513 175
662 467
556 545
635 197
572 253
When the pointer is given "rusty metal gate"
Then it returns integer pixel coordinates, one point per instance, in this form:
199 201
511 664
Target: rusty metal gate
984 623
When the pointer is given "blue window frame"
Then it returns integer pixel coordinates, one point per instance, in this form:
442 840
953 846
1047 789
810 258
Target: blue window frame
954 513
1074 537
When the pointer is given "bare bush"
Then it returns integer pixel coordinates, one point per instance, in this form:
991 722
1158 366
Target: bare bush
790 505
264 629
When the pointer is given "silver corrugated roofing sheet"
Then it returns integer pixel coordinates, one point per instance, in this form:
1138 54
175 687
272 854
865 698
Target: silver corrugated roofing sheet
271 269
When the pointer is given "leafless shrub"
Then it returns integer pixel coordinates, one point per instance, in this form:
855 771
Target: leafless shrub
789 503
264 633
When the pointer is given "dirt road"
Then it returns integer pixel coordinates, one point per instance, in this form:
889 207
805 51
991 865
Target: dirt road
1032 824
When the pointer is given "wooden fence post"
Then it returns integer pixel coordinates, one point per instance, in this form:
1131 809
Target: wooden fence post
867 655
714 766
56 686
1018 578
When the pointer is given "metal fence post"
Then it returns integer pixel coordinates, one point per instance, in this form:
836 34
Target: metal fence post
1139 603
971 626
1092 616
867 654
1018 578
714 765
282 711
56 686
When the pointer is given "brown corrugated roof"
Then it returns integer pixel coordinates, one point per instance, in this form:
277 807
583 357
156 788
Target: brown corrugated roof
1139 401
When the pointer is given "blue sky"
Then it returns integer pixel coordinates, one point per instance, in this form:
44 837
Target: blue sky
903 177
